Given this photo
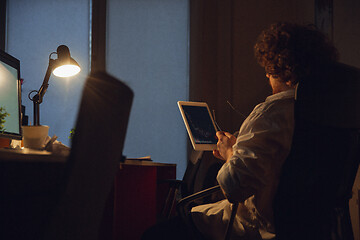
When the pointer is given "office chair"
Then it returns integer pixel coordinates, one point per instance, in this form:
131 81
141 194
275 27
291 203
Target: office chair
313 196
199 175
94 159
317 177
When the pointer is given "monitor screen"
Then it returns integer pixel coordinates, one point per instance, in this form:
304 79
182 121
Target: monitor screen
10 96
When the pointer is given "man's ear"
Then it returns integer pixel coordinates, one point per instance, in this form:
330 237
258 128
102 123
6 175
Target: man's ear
289 83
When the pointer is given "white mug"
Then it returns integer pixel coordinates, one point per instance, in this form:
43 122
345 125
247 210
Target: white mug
34 136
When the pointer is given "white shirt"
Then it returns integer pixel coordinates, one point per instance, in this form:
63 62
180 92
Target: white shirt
251 175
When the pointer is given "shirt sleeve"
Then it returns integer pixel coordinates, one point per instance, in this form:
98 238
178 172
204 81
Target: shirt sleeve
262 145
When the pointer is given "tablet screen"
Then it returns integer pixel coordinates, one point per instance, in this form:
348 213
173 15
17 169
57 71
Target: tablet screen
200 124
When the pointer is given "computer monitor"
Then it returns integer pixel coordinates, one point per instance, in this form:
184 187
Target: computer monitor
10 95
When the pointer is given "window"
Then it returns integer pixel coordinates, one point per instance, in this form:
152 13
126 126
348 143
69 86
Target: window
147 48
34 30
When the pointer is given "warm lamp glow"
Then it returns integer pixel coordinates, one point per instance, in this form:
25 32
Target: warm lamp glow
66 70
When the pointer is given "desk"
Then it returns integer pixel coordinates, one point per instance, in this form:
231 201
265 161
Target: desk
30 185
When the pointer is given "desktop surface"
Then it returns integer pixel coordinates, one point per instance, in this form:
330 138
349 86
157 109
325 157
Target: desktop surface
27 154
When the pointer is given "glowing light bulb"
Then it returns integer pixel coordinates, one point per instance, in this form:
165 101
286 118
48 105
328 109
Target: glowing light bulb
66 70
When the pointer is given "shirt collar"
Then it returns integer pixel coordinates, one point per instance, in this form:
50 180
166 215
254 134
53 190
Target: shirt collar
281 95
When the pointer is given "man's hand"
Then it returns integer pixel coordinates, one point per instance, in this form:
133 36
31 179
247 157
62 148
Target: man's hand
224 145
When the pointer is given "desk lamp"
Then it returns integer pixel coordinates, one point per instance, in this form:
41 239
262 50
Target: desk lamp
63 66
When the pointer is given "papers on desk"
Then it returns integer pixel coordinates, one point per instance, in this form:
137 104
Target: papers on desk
146 158
55 151
52 146
56 147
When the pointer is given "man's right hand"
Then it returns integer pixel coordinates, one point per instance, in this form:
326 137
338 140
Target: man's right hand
224 145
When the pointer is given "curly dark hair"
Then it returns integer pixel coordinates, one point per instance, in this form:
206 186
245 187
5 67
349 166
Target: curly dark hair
290 51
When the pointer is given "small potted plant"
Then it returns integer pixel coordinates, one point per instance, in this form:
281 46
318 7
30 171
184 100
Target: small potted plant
3 115
72 133
4 142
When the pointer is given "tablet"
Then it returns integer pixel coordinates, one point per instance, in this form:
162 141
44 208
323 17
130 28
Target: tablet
199 125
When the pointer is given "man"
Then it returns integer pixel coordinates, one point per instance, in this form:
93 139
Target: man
253 160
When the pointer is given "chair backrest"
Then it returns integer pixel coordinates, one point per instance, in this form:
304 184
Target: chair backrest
201 174
94 159
319 173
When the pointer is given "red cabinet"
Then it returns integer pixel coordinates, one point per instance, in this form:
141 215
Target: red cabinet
139 196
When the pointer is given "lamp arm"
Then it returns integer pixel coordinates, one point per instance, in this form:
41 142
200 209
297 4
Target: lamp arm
40 94
38 97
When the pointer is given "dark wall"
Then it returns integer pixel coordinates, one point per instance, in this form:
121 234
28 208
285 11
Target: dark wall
222 64
2 24
347 30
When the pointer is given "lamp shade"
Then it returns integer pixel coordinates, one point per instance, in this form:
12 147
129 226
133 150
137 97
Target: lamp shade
64 65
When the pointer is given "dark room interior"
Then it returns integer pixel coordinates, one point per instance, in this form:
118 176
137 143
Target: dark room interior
218 67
